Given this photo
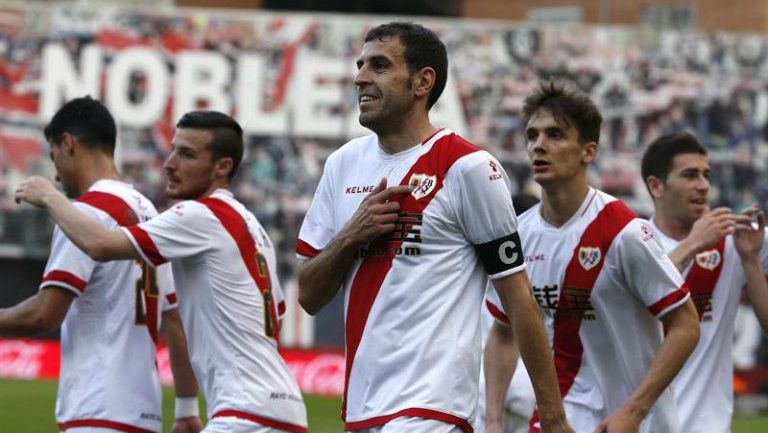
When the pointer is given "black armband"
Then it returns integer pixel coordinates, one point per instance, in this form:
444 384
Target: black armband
501 254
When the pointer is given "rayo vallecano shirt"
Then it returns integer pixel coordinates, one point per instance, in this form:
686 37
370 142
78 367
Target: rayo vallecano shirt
230 302
704 387
413 297
108 369
602 280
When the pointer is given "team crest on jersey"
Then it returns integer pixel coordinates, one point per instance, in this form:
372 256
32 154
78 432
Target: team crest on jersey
422 184
589 257
708 259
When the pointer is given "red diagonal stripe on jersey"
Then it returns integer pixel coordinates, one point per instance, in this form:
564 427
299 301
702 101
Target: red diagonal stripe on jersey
447 418
268 422
702 281
66 278
118 426
236 226
124 215
374 268
305 249
566 343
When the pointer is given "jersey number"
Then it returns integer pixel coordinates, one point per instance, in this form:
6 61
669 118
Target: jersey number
146 291
270 321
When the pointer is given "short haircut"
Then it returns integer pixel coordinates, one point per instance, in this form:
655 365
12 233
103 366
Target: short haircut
658 157
569 107
227 134
422 49
88 120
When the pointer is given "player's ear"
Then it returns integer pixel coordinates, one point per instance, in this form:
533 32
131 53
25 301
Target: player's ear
655 186
223 166
423 81
68 143
588 152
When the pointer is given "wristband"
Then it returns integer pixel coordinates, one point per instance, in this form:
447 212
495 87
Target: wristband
185 407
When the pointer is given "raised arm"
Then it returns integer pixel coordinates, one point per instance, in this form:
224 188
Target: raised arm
705 233
321 277
519 305
89 235
682 325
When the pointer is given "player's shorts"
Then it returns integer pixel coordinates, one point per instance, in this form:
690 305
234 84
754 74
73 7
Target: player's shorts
229 424
92 430
409 424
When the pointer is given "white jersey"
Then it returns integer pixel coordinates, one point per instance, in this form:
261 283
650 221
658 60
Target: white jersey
230 301
704 387
602 276
413 296
108 372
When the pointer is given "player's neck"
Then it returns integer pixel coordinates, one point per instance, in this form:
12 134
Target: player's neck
95 168
215 184
670 226
410 133
559 203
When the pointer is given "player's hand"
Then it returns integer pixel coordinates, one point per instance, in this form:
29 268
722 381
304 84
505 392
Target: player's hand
749 239
712 227
556 427
376 215
189 424
623 420
35 190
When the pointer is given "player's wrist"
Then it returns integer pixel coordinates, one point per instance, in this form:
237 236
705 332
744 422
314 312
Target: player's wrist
185 407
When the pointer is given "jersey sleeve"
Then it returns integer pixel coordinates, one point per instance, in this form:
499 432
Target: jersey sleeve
68 267
181 231
317 229
480 194
647 270
166 287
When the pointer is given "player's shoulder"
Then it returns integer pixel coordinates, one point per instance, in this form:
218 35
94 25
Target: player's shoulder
461 154
353 149
119 201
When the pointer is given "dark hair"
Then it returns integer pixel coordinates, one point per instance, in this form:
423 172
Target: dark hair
657 159
569 107
227 138
422 49
88 120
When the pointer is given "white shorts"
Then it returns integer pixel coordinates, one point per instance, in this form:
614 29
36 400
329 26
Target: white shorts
230 424
410 424
92 430
582 418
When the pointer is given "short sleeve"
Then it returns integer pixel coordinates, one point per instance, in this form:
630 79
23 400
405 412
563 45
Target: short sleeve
181 231
480 194
68 267
317 230
647 270
166 287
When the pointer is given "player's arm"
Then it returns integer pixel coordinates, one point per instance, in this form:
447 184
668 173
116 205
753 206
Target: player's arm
89 235
186 412
519 305
682 325
499 362
321 277
38 314
749 242
705 233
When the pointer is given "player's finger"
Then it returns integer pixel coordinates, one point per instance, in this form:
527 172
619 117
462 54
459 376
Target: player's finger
391 207
720 211
749 210
387 218
393 191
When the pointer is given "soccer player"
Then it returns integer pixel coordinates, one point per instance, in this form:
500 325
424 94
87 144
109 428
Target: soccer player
719 252
109 313
224 266
414 258
602 281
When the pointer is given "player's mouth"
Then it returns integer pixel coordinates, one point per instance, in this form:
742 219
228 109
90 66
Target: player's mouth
367 99
540 166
